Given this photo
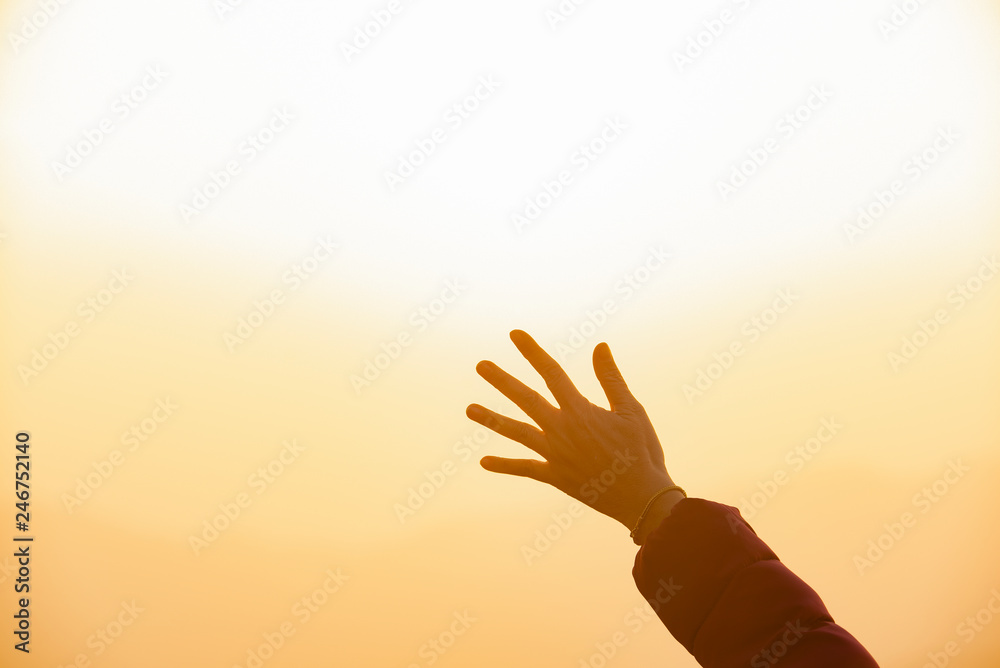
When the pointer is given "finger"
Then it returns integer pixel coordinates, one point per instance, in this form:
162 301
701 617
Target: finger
522 432
532 403
526 468
556 380
610 377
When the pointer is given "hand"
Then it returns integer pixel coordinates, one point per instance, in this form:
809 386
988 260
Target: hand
609 459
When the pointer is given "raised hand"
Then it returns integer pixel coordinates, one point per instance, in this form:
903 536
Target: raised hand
609 459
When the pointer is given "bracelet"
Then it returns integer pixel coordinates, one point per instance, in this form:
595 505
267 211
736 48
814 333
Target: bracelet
645 510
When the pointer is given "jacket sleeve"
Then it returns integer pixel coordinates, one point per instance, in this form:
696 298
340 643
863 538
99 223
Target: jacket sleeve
725 596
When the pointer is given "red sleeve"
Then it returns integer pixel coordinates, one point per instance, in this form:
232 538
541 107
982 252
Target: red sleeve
725 596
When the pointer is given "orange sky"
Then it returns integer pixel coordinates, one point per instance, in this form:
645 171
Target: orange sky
148 424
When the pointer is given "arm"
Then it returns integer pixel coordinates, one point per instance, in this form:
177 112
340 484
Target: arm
719 589
723 594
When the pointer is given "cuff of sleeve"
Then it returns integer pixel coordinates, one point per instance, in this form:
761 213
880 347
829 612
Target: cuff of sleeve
688 561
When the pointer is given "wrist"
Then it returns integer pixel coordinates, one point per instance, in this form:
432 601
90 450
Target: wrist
658 510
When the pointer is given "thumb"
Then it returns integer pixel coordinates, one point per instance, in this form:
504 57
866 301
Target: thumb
619 396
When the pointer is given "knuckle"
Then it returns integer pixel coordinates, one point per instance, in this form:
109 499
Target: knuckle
518 432
550 369
494 422
532 402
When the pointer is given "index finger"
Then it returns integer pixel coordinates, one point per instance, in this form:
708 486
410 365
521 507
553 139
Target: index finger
559 384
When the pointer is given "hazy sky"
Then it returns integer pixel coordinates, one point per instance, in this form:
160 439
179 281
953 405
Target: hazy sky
250 261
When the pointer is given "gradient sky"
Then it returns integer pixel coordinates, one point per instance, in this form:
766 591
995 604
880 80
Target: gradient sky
917 107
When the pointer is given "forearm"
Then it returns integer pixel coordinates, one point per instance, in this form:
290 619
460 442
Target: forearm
725 596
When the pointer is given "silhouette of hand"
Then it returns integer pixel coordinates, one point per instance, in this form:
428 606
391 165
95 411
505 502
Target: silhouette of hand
609 459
